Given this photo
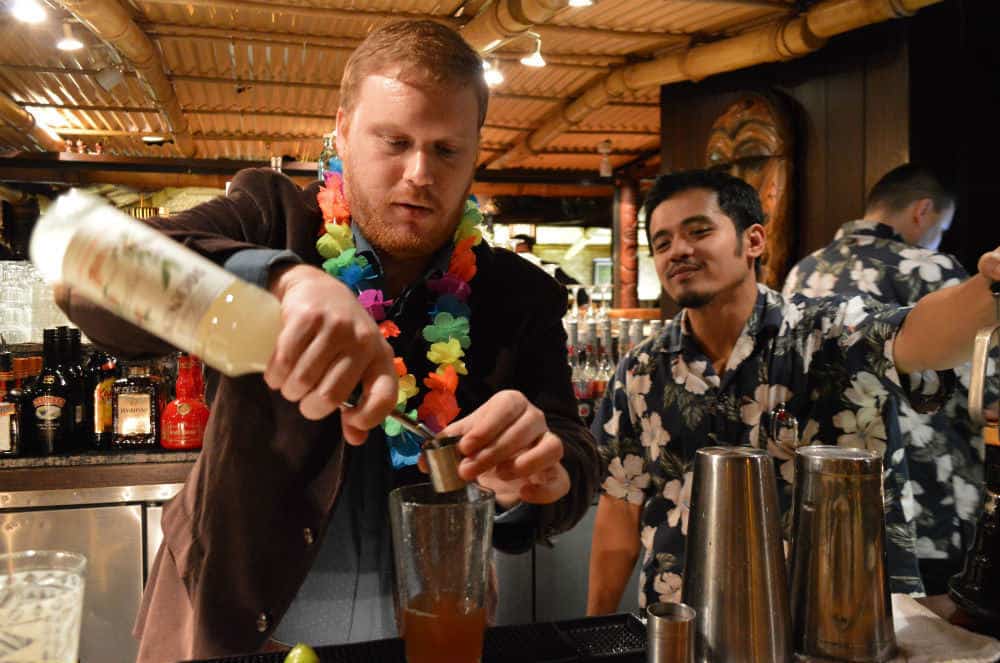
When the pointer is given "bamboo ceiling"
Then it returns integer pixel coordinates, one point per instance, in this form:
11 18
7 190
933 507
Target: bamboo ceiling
248 79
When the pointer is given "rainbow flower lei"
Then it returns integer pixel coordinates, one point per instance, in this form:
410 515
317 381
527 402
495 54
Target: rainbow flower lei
448 331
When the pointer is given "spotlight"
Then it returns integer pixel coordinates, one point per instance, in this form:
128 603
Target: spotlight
69 42
581 3
535 59
492 74
28 11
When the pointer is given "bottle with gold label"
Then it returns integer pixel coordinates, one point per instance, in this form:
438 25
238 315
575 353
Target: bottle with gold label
135 410
49 412
184 419
100 375
10 407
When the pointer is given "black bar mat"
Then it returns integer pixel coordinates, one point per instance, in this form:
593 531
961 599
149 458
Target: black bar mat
618 638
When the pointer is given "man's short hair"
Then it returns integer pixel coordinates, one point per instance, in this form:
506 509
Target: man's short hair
905 184
525 239
737 199
415 51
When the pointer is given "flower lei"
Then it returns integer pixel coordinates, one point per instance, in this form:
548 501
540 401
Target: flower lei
447 333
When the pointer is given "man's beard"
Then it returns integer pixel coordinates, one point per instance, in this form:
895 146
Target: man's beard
397 242
695 299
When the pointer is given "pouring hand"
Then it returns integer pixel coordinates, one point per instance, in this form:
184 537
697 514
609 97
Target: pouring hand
989 265
328 344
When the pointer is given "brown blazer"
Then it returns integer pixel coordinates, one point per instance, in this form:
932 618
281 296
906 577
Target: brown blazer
243 532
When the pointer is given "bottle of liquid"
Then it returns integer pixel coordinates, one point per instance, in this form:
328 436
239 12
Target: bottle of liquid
977 588
156 283
99 376
135 410
69 365
49 412
10 407
185 417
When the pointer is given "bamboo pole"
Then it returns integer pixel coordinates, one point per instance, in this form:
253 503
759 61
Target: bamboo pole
24 122
770 43
506 19
109 20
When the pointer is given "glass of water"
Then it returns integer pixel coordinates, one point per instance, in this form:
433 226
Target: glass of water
41 603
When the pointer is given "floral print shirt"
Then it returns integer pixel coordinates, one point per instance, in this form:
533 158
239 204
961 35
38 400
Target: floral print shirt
944 451
828 361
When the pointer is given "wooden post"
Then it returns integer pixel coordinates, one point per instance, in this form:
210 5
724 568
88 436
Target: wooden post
625 243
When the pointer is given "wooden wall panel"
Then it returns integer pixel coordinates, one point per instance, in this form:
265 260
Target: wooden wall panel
851 109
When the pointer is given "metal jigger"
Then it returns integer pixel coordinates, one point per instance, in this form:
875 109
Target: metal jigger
442 460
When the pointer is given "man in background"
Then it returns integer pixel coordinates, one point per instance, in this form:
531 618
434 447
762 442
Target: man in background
890 255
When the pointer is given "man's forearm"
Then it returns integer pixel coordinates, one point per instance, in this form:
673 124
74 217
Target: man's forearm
939 332
610 569
613 551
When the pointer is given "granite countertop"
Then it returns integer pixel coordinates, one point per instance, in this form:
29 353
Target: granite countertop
97 458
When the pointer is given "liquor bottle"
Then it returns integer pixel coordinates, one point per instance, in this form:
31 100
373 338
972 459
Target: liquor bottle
148 279
99 376
10 407
69 365
185 417
51 420
977 588
135 410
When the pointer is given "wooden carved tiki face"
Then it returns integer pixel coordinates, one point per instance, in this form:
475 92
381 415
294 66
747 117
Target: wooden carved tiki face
752 140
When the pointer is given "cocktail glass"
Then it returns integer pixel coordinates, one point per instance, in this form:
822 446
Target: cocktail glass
441 545
41 603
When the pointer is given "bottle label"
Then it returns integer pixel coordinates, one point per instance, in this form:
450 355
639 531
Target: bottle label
102 406
7 413
144 277
48 415
134 414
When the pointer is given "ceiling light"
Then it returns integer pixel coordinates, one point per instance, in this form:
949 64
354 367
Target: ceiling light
535 59
154 140
69 42
581 3
492 74
28 11
109 77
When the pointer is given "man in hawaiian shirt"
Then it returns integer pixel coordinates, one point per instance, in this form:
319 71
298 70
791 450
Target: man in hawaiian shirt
890 256
734 354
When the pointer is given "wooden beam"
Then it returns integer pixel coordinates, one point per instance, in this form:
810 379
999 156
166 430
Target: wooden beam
110 21
565 59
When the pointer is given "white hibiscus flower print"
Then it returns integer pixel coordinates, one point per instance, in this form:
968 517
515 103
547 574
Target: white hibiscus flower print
765 398
611 425
637 387
945 466
863 429
743 349
668 586
627 480
693 376
866 390
915 425
654 435
680 495
646 537
855 312
967 498
865 278
927 550
819 285
927 263
907 499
